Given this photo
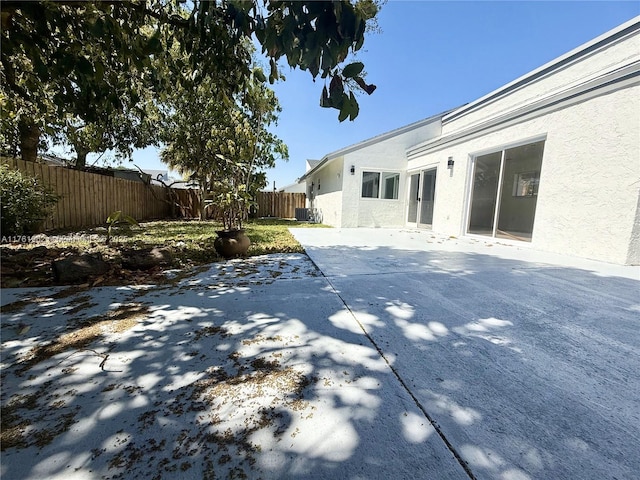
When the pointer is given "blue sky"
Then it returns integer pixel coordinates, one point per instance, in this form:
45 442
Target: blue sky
431 56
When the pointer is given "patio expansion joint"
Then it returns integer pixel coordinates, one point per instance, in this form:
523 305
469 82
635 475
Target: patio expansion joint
404 385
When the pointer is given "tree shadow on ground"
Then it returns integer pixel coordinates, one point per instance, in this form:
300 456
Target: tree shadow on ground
529 369
234 373
264 370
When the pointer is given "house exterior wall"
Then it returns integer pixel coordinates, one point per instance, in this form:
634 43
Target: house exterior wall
585 107
386 156
587 202
328 198
294 188
339 199
633 256
374 212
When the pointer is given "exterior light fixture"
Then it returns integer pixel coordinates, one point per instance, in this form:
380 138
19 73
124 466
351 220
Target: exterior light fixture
450 163
353 170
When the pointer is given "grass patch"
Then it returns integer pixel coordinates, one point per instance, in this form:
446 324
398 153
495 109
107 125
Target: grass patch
190 244
194 239
273 236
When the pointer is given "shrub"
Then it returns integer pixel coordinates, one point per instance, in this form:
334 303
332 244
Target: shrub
25 202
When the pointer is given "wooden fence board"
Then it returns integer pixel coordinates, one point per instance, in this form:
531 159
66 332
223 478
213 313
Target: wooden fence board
48 224
279 204
269 204
86 199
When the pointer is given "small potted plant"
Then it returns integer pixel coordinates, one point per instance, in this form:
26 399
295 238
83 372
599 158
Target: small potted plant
223 143
232 201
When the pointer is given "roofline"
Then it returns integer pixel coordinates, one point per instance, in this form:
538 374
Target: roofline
622 77
597 43
371 141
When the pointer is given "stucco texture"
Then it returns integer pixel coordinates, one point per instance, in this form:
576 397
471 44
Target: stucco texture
588 196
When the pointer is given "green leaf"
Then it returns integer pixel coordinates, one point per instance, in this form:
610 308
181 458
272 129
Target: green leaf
344 112
336 86
273 76
154 45
259 74
360 35
367 88
129 219
353 69
84 66
324 98
99 71
114 217
97 29
355 108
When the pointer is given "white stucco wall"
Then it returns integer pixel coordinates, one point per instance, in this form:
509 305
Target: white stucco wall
339 199
590 180
328 198
591 214
388 155
294 188
374 212
633 256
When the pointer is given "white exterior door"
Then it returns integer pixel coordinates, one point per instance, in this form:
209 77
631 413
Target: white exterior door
422 187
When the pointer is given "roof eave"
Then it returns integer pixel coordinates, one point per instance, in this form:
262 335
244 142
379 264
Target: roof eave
372 141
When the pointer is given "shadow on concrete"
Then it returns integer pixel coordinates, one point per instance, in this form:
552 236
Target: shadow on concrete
529 370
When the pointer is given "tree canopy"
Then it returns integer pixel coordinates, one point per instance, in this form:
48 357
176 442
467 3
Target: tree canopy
84 64
222 143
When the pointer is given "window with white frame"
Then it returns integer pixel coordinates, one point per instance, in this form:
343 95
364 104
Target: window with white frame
390 185
385 185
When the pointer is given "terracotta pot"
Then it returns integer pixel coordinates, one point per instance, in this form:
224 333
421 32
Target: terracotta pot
231 243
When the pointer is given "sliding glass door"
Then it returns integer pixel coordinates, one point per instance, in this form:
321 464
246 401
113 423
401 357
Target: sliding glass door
427 197
505 192
414 198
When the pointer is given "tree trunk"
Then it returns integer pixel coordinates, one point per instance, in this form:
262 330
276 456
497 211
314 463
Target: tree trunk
202 206
81 157
29 139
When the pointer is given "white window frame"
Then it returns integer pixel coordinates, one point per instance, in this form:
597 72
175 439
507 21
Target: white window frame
383 175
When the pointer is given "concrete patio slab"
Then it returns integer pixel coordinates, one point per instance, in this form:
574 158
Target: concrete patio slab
250 369
527 361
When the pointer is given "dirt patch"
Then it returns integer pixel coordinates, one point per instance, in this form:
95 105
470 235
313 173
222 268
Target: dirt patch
86 332
253 392
32 267
210 331
25 422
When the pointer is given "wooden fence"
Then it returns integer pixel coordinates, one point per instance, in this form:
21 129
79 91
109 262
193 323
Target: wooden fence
87 199
188 200
269 204
279 204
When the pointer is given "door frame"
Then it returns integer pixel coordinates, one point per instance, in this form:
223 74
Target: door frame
470 185
420 171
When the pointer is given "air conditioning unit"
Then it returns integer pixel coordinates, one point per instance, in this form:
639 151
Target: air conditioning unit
302 214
